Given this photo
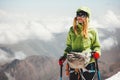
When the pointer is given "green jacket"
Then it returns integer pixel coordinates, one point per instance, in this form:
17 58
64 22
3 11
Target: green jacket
77 43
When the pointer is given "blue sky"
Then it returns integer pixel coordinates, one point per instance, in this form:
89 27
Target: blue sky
58 7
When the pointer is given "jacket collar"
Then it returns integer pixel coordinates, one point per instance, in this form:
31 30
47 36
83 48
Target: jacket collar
79 27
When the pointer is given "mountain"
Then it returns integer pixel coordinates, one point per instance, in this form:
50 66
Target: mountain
41 68
32 68
42 56
114 77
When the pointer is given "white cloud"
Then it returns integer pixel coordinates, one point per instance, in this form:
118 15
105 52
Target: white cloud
108 43
2 13
12 33
20 55
94 23
6 56
40 31
112 19
58 24
15 27
109 20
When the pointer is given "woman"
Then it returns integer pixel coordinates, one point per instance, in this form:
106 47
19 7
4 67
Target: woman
82 38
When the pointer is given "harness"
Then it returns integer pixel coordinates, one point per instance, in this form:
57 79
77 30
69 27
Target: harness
83 60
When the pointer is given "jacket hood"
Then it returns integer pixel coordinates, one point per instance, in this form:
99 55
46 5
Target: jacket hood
85 9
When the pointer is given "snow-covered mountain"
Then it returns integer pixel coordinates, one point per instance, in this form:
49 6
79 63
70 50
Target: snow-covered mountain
115 77
31 68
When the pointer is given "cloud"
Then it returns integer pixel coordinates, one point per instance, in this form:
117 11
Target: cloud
109 20
40 31
20 55
6 55
58 24
3 56
112 19
94 23
2 13
12 33
15 27
108 43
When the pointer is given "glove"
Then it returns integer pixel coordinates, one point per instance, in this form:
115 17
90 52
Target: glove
96 55
62 60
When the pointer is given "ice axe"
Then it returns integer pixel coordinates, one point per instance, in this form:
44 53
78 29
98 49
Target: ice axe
61 66
97 69
61 61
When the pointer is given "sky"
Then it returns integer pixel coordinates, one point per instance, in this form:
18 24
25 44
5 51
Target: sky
26 19
58 7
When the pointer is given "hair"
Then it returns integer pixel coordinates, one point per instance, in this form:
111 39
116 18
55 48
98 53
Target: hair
84 28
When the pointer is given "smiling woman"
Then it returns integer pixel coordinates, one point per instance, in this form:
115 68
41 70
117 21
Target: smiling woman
40 27
81 39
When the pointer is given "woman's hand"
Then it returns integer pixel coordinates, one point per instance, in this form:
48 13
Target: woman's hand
96 55
62 60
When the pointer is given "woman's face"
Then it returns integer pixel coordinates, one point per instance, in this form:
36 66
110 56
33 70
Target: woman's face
81 16
80 19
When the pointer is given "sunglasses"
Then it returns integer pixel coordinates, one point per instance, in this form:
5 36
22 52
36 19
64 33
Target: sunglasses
82 14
